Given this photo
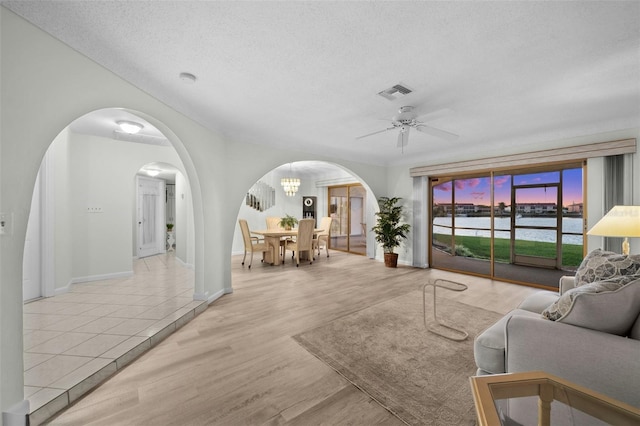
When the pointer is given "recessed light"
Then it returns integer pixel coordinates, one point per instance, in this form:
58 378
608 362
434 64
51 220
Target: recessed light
129 126
188 78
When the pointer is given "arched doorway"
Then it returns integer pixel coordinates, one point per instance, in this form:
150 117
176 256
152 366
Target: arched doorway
101 294
85 203
316 179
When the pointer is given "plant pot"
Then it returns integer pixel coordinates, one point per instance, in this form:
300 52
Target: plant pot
391 260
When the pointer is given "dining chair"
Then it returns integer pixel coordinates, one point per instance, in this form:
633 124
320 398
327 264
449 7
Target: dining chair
252 244
273 222
325 225
303 242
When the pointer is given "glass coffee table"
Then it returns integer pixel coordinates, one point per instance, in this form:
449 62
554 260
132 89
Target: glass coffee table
539 398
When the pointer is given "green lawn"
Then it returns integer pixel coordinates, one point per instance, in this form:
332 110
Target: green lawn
479 247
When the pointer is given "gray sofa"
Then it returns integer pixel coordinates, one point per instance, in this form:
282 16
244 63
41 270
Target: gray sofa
587 333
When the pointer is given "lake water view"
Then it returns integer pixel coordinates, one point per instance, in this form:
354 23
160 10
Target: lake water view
481 228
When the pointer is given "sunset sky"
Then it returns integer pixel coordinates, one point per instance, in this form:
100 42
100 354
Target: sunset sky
477 190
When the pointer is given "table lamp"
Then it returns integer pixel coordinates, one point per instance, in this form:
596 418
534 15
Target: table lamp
621 221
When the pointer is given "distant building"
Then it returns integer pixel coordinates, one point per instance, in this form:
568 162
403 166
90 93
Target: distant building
575 208
524 209
536 208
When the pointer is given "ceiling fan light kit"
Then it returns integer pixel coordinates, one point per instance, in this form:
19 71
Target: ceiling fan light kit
405 120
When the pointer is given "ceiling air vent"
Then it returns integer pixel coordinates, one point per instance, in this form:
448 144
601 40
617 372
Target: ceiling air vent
395 92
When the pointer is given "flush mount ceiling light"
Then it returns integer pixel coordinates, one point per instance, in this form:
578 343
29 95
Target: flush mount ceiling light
152 172
188 78
129 126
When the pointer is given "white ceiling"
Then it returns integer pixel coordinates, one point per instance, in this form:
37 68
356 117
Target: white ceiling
305 75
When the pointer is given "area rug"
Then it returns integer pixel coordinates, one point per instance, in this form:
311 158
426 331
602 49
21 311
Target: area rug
385 351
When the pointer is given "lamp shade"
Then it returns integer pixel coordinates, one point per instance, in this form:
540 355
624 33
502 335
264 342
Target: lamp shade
621 221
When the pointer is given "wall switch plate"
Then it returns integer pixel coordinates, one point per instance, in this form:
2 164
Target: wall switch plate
6 223
94 209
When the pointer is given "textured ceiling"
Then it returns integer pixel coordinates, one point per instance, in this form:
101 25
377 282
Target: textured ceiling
306 74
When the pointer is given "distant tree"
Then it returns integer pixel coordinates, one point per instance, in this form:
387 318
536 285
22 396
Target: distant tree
501 207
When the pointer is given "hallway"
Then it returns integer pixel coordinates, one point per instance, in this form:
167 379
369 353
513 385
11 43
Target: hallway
73 341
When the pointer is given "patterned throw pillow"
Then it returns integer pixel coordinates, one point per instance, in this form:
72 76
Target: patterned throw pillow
610 305
601 265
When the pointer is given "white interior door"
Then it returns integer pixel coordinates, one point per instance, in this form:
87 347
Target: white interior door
150 214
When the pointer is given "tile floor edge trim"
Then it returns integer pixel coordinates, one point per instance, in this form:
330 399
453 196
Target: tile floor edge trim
48 410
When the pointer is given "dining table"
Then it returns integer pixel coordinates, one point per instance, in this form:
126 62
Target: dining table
273 236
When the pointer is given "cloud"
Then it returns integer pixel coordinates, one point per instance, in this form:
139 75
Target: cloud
444 187
501 180
467 183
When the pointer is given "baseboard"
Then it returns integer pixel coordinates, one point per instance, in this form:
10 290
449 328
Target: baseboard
185 264
62 290
111 276
210 298
215 296
116 275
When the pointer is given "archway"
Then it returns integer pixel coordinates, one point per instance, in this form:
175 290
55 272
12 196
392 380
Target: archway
316 177
89 184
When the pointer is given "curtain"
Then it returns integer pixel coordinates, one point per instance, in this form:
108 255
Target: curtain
618 189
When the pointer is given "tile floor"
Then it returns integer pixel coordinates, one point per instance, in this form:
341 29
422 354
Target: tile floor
74 341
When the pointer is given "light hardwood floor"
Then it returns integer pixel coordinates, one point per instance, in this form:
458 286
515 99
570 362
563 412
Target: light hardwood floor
236 363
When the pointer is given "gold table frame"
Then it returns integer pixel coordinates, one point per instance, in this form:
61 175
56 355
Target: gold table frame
488 389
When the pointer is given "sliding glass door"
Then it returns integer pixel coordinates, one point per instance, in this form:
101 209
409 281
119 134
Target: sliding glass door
347 208
521 225
461 230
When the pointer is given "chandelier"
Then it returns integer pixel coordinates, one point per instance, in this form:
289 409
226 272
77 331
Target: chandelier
290 184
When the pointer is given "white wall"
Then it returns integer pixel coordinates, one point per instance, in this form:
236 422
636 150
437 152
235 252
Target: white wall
62 217
96 172
184 222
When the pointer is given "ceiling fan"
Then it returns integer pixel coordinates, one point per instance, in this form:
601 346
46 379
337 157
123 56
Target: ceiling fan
405 120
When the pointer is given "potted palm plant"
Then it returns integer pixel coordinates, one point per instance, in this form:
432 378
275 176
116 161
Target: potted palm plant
288 222
389 232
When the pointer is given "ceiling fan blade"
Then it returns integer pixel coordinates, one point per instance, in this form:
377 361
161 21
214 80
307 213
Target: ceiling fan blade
375 133
403 137
434 115
437 132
